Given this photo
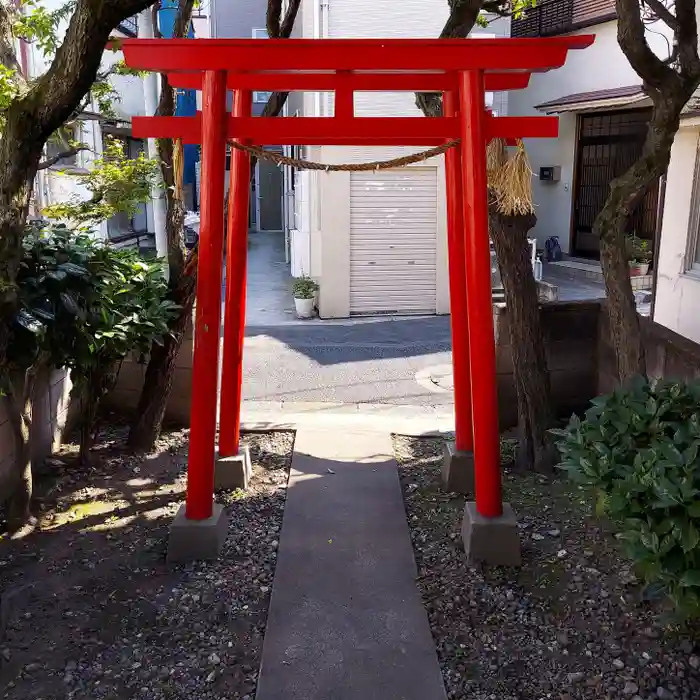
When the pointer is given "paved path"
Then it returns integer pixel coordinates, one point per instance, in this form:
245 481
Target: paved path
346 620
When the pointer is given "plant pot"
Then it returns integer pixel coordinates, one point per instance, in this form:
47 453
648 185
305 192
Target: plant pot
304 307
635 270
643 269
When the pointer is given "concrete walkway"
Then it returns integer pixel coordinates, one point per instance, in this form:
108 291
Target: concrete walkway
346 620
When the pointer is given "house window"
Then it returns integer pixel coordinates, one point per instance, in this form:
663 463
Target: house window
122 224
553 17
261 97
129 26
60 142
693 252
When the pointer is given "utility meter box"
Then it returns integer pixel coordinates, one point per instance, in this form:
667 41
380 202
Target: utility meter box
550 173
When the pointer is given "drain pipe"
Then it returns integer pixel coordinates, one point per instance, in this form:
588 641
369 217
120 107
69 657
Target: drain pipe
151 90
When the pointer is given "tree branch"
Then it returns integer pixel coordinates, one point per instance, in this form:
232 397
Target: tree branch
632 40
60 156
273 18
686 36
463 16
290 17
277 100
662 12
8 56
54 96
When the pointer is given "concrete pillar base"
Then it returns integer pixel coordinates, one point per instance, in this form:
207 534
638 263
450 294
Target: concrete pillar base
457 470
196 540
235 472
491 540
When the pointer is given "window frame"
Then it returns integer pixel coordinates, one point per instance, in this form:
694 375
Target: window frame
259 97
692 253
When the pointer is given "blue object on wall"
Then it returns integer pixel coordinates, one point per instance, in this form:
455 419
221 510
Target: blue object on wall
186 105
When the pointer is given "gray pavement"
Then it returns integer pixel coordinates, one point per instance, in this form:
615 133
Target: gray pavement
373 361
357 360
346 620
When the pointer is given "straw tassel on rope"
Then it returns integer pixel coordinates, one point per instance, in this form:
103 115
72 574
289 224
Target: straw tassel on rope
510 179
178 167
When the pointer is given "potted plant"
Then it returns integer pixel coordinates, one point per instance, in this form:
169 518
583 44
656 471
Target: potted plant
304 296
640 255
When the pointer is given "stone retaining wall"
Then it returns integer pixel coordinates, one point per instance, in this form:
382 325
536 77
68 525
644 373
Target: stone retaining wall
126 394
51 418
668 354
571 338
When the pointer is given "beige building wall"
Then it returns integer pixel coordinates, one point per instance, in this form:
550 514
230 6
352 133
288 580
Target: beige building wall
677 304
330 230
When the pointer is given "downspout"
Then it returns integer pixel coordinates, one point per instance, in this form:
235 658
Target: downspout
151 90
325 34
212 19
317 35
657 243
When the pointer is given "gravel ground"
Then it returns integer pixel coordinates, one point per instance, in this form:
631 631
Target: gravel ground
89 608
571 623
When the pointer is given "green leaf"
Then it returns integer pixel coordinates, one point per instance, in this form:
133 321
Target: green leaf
690 537
690 578
70 303
74 270
30 322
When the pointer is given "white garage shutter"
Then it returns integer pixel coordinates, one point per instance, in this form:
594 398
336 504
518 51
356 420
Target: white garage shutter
393 238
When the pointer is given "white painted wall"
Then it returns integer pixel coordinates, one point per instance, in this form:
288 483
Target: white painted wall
59 183
323 200
677 304
599 67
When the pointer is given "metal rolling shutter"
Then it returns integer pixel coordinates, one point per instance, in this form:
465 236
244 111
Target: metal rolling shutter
393 240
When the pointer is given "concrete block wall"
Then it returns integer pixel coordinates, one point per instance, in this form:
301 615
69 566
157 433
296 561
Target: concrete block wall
570 332
668 354
125 396
51 420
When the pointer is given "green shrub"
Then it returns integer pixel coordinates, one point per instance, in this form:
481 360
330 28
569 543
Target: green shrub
84 305
304 288
637 449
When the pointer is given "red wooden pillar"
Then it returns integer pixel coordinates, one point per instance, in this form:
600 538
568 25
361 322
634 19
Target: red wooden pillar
235 297
205 367
464 441
482 347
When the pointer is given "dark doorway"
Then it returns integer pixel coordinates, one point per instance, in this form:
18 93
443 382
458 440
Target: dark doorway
608 144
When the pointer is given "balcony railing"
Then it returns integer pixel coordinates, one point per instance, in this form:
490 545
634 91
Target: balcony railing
129 26
553 17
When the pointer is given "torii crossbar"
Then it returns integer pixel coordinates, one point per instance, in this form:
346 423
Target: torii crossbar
463 70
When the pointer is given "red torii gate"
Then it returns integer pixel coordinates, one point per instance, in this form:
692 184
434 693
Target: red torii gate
463 70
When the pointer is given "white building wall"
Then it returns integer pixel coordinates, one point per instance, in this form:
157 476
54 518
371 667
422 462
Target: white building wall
599 67
59 183
323 199
677 304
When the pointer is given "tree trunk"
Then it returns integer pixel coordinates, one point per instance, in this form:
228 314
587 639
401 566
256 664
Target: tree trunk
669 83
612 225
157 385
183 272
19 512
509 236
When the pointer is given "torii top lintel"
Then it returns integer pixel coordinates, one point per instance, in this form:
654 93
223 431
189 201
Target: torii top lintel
402 55
346 66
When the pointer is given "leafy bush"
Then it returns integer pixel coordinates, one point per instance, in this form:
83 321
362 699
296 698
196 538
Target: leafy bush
117 184
85 306
637 448
639 250
304 287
